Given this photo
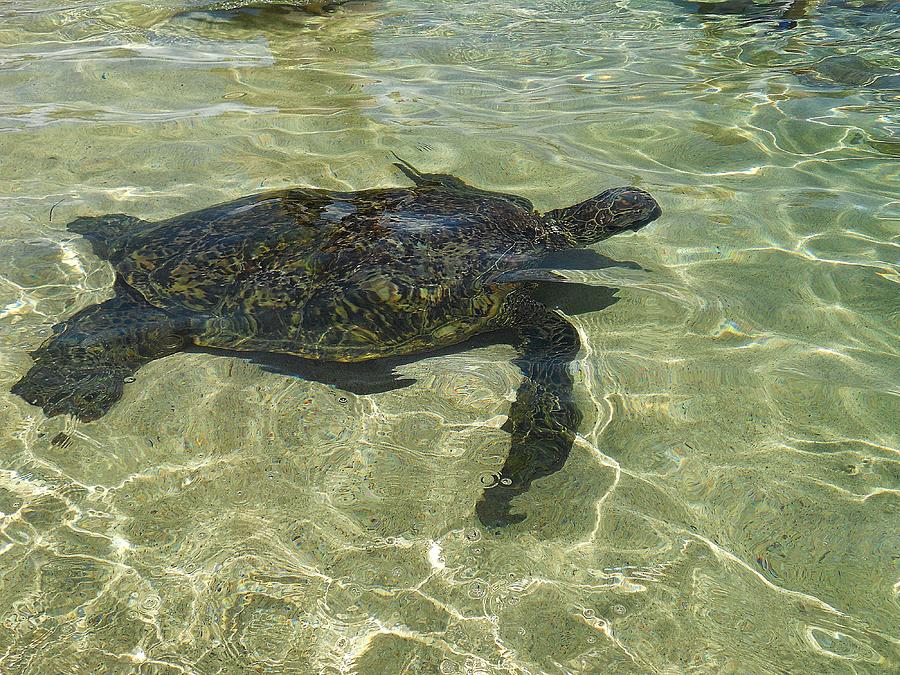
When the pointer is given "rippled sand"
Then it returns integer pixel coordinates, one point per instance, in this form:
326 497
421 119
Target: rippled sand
731 502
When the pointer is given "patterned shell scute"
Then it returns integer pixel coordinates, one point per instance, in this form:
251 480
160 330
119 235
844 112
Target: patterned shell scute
347 276
196 261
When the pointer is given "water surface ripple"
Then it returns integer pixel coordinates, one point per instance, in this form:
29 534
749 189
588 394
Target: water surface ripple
731 503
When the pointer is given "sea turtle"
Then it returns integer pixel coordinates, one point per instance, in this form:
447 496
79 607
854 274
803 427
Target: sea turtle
185 7
341 277
783 13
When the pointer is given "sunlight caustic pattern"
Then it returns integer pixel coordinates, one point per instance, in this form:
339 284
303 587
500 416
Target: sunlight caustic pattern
731 502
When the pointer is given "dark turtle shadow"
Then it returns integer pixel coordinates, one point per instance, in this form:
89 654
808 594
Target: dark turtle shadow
369 377
379 375
581 259
783 14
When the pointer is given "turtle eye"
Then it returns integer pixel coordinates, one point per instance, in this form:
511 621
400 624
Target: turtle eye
631 200
633 207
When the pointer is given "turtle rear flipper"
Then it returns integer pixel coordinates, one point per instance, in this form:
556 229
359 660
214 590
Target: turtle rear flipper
82 369
62 387
102 231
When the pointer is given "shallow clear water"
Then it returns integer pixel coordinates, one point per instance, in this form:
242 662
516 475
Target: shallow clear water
731 504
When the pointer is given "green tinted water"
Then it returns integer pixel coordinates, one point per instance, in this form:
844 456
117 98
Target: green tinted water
731 504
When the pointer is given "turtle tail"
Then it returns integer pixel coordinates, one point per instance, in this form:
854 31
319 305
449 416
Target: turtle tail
103 231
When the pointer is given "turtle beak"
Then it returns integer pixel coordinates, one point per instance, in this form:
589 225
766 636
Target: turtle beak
655 213
645 219
635 207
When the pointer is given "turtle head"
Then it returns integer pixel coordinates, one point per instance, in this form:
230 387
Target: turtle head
611 212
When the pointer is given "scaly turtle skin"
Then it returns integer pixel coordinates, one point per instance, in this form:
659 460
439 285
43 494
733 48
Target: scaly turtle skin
341 277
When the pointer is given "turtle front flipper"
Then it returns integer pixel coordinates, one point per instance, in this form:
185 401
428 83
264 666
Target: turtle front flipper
82 369
452 183
544 418
426 179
